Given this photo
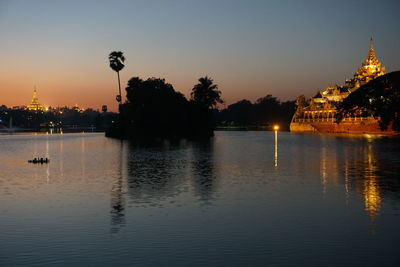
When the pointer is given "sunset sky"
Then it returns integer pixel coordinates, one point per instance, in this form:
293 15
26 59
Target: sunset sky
249 48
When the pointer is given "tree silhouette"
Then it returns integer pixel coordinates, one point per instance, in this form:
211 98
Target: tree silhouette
379 98
154 106
265 112
206 93
154 110
116 63
240 113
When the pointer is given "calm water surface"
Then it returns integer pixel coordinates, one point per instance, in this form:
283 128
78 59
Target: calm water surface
242 198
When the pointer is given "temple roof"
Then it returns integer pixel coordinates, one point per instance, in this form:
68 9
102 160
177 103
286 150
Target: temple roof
318 95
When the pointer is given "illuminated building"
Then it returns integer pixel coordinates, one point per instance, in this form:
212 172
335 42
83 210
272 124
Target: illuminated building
318 114
35 105
77 108
371 68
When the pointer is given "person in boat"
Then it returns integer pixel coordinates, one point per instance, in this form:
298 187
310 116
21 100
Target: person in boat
39 160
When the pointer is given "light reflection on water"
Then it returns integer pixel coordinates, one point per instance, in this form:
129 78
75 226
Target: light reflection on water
371 192
276 149
222 201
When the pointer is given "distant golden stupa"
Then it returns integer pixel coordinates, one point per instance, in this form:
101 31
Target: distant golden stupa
35 105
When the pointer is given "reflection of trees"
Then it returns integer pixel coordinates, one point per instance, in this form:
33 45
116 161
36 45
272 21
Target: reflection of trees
117 205
117 198
203 168
156 171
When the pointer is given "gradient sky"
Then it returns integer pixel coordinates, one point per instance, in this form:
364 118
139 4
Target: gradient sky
249 48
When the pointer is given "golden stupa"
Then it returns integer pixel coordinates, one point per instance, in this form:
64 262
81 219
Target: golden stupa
35 105
371 68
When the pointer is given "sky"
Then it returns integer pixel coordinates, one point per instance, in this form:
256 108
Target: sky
250 48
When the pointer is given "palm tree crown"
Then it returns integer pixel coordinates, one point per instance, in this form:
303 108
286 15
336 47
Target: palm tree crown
116 60
206 93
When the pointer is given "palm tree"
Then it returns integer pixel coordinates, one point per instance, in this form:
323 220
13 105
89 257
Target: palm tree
206 93
116 63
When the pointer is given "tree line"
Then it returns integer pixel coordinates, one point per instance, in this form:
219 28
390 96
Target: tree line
262 114
62 118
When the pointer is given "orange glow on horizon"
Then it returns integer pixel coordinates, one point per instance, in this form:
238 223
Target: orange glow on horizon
65 86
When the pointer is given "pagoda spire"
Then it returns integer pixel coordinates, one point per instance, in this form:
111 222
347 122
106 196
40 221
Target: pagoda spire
34 97
371 58
371 52
371 45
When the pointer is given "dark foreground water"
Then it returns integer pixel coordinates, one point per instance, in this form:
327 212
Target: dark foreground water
243 198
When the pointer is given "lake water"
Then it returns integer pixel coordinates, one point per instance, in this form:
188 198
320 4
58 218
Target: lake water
242 198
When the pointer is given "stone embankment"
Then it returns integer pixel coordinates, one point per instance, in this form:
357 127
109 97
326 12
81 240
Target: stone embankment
366 126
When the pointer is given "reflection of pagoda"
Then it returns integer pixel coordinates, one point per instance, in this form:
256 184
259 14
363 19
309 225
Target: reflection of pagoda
35 105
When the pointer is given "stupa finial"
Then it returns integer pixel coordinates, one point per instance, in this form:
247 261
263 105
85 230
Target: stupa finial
371 45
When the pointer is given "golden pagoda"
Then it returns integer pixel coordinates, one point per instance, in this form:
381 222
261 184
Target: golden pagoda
319 113
371 68
35 105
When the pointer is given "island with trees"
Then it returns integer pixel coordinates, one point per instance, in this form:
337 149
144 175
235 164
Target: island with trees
154 110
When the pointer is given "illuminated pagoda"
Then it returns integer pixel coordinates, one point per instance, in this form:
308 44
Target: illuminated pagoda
318 113
371 68
35 105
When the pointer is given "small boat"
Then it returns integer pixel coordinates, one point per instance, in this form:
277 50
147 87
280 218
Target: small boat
39 160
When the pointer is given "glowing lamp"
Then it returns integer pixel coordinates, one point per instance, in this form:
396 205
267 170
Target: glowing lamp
276 127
